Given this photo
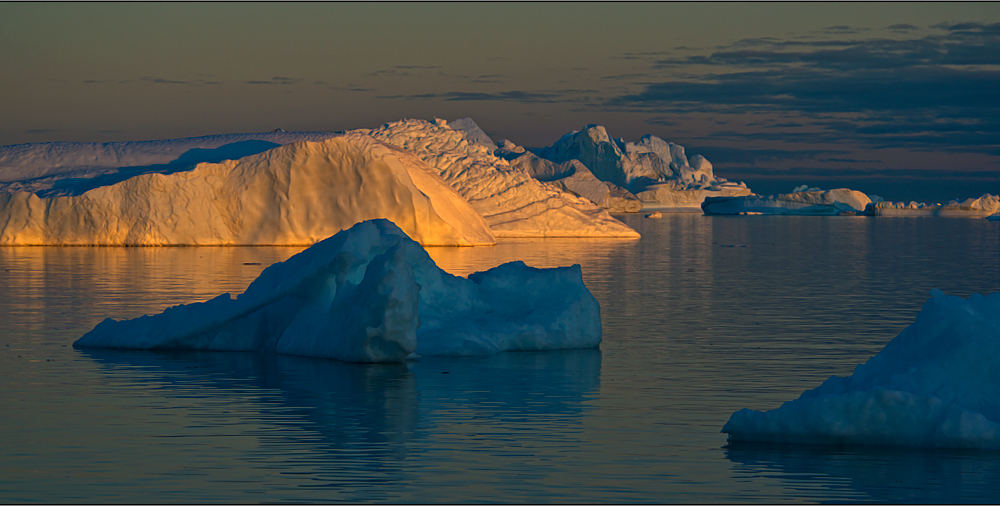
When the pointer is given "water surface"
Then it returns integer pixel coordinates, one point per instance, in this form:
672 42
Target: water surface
702 316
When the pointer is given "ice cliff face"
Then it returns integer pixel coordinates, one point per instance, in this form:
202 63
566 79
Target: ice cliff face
372 294
809 202
656 171
513 203
295 194
936 384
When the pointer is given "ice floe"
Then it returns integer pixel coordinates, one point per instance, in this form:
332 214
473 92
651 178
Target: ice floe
808 201
983 206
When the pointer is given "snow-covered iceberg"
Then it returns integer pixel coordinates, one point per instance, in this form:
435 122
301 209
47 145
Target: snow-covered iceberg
295 194
970 208
804 202
513 203
372 294
571 176
936 384
656 171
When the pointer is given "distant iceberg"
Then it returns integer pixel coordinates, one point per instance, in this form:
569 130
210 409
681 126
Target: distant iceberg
970 208
571 176
803 201
936 384
656 171
293 194
372 294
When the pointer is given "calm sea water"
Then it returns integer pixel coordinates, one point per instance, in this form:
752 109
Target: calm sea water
702 316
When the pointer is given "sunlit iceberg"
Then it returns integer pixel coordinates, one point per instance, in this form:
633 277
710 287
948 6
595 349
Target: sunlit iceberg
372 294
811 201
936 384
293 194
656 171
513 203
983 206
570 176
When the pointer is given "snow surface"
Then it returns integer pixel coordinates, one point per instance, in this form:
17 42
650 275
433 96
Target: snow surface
571 176
472 132
372 294
936 384
296 194
513 203
803 202
656 171
969 208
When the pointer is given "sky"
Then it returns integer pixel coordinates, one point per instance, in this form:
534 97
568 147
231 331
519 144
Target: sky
899 98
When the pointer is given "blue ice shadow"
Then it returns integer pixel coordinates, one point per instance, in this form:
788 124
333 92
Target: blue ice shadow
187 161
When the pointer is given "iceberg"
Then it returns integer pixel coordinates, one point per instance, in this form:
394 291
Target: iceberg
372 294
513 203
840 201
293 194
936 384
656 171
472 132
981 207
571 176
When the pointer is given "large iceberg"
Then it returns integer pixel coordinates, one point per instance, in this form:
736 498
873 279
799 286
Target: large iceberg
656 171
811 201
295 194
513 203
936 384
570 176
372 294
969 208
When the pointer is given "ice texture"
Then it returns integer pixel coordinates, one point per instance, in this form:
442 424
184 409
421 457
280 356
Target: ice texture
571 176
936 384
801 202
656 171
372 294
513 203
983 206
296 194
472 132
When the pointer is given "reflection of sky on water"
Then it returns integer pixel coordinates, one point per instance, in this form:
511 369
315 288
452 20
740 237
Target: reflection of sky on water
346 429
873 474
693 330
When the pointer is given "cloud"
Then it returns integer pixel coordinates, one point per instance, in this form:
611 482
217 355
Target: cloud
277 80
548 97
354 88
160 80
40 130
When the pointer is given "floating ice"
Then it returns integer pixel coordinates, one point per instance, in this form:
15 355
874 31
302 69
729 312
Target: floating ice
294 194
936 384
656 171
571 176
970 208
513 203
372 294
805 201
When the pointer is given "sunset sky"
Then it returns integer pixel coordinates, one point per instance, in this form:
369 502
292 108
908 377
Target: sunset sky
833 91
